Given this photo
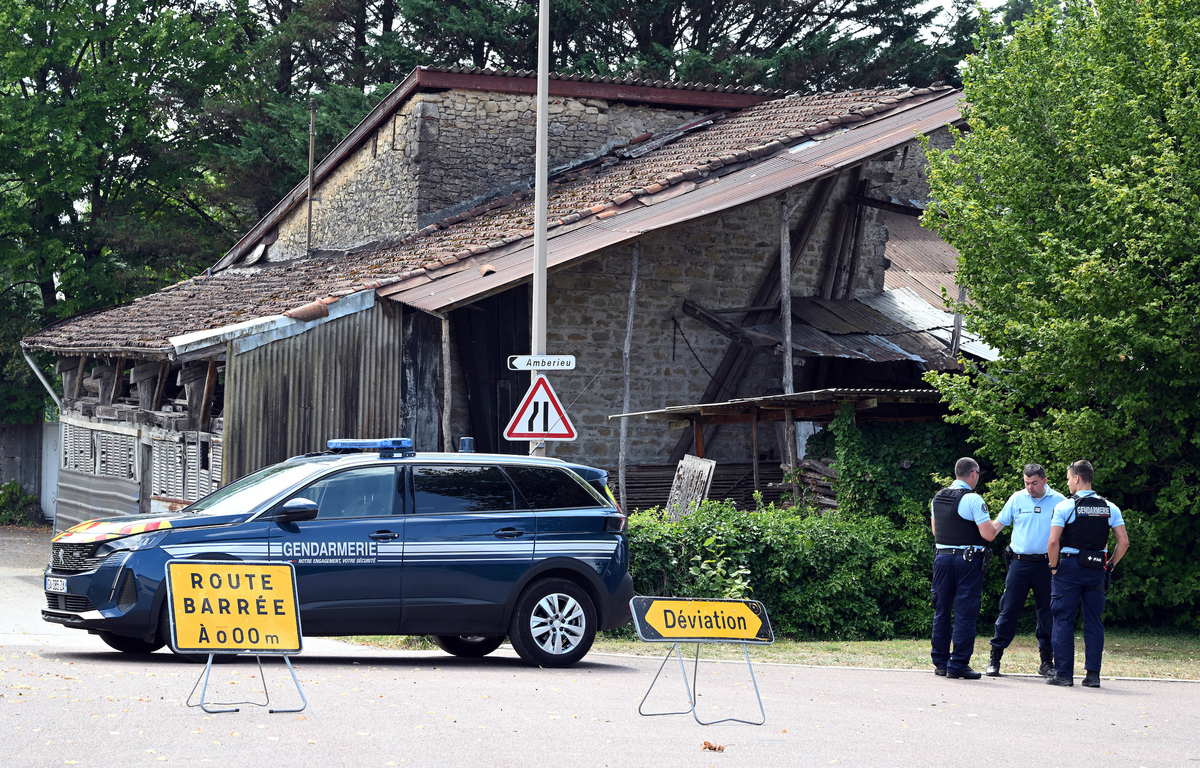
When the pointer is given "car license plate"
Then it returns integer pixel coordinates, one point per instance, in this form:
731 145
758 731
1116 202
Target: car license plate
56 585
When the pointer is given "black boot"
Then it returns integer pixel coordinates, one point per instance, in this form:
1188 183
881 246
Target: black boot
993 667
1047 668
1091 679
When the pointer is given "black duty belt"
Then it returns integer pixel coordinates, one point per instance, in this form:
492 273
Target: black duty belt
955 550
1068 554
1033 558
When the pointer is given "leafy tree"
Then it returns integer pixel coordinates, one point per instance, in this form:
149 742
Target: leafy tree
1073 202
795 44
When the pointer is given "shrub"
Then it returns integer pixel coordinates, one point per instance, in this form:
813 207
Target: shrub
820 575
15 504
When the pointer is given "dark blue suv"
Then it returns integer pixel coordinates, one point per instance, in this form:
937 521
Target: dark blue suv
469 548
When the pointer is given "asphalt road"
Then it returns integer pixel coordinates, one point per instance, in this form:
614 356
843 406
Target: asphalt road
65 699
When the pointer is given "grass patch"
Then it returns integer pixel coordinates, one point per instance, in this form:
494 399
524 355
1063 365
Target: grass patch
1127 652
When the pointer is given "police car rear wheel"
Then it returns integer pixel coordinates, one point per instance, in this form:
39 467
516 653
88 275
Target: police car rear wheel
164 634
554 623
130 644
468 646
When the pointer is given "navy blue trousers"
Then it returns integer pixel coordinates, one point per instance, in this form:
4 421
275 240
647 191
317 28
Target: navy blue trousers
957 593
1071 586
1023 576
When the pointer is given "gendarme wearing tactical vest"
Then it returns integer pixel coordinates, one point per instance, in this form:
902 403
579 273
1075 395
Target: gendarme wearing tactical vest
1081 569
961 530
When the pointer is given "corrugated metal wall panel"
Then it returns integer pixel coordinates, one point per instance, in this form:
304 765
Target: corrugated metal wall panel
340 379
84 496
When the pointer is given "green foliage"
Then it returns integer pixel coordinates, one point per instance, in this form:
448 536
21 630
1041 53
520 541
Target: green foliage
831 575
888 469
1073 201
14 504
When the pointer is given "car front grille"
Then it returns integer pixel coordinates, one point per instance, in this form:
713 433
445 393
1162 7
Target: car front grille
72 603
77 557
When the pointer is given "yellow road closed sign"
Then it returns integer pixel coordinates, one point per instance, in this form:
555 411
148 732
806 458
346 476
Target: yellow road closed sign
233 607
678 619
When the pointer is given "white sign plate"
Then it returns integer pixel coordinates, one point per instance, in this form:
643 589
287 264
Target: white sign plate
540 416
541 362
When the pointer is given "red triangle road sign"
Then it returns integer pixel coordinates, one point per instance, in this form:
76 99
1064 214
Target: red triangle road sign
540 416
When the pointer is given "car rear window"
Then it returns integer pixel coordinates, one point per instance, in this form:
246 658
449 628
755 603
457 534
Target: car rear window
447 490
547 488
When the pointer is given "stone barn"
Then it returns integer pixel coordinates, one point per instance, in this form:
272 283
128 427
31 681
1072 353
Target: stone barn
670 207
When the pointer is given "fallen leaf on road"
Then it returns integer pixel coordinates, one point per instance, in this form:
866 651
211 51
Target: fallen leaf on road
713 747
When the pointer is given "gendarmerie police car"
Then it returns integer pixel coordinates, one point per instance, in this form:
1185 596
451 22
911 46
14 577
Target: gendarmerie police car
466 547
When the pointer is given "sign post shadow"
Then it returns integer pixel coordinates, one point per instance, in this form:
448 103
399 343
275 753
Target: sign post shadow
680 620
231 607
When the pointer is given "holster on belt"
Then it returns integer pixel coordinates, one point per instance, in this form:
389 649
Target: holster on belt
1008 557
987 556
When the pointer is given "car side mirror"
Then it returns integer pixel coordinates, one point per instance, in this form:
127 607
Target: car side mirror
295 510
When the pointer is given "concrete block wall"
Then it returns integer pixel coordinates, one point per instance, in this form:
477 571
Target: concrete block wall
443 153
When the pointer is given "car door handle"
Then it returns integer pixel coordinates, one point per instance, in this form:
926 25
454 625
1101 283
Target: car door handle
383 536
509 533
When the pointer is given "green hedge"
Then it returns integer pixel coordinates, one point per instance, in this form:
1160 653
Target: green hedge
820 575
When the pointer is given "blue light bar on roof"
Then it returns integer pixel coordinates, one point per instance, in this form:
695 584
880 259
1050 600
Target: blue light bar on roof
386 446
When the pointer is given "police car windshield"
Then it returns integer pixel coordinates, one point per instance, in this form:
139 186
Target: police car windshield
248 493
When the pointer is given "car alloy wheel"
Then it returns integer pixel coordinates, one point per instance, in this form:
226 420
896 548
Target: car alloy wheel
554 623
557 624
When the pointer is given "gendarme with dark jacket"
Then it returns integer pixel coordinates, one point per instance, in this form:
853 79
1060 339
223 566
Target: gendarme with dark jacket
962 531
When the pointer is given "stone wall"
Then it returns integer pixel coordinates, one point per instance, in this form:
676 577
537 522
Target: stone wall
442 153
717 262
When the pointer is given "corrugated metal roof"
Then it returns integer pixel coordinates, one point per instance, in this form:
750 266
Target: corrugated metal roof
896 325
764 179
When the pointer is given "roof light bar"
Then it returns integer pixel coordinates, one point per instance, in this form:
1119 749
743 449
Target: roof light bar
387 447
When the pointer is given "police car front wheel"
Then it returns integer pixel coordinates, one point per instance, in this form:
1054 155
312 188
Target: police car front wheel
468 646
554 623
130 644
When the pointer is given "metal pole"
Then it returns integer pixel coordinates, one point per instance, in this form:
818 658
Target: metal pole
541 171
312 143
956 338
633 276
33 366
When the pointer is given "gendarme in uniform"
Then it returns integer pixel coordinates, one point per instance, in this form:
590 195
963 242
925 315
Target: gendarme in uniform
1028 567
1081 565
957 513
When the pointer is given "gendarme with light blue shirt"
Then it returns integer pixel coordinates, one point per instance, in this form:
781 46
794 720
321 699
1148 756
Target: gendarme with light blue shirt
1030 520
971 507
1065 513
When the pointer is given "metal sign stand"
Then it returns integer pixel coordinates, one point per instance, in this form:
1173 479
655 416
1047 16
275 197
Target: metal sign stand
692 691
229 705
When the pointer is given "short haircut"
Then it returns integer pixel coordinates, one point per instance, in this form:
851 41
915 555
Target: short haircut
964 467
1034 470
1083 470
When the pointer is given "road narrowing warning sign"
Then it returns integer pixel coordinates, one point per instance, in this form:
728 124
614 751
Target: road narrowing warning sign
540 416
674 619
233 607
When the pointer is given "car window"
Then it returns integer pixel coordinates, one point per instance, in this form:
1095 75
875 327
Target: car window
247 493
363 492
449 490
548 488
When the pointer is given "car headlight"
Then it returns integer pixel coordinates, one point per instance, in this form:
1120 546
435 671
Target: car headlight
131 543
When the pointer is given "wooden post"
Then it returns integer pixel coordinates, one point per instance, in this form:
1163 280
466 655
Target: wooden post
698 435
633 277
210 388
754 443
160 386
78 388
447 384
